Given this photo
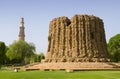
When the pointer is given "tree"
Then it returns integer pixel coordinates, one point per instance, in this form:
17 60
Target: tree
19 51
29 56
38 57
2 52
114 48
42 56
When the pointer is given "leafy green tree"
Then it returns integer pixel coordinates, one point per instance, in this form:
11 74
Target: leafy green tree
19 51
114 48
2 52
39 57
42 56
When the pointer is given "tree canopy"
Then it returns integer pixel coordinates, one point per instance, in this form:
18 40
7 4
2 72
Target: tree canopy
39 57
20 50
114 48
2 52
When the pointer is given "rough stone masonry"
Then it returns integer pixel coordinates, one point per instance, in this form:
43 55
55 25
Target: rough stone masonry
80 39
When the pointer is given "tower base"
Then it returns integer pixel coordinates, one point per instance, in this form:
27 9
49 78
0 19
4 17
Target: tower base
75 66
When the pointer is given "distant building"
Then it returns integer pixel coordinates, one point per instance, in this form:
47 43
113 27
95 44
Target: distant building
21 32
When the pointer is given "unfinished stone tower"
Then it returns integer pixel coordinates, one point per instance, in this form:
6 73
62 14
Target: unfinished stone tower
81 39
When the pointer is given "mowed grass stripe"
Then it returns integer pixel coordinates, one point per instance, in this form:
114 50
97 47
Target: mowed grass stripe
60 75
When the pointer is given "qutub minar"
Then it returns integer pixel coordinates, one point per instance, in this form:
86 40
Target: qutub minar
21 32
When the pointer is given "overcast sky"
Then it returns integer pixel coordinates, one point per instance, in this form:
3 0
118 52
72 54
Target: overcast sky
37 15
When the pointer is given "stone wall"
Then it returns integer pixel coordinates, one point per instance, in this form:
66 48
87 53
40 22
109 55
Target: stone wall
81 39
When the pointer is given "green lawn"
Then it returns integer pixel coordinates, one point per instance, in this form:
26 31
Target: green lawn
60 75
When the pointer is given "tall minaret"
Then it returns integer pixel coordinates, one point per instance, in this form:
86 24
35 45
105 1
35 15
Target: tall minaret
22 33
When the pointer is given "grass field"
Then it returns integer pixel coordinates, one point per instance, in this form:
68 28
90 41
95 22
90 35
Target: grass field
60 75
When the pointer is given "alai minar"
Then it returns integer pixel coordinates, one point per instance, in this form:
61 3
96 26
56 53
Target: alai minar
80 39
